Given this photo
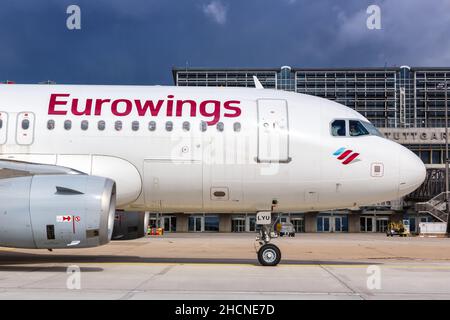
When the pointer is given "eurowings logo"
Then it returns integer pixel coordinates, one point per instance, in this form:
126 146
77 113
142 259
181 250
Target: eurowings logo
346 156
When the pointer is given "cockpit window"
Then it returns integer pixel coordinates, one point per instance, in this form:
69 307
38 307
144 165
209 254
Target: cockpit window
356 128
338 128
372 130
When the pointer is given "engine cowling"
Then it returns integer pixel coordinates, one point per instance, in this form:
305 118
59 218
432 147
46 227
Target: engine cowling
130 225
56 211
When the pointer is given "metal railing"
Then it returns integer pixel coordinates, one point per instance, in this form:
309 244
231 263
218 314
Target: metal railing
435 207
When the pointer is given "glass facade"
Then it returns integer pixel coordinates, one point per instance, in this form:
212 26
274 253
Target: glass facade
225 78
332 223
429 153
391 97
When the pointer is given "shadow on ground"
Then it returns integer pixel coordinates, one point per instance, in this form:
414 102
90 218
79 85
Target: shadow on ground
11 260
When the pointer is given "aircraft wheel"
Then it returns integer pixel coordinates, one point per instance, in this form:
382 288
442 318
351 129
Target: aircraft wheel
269 255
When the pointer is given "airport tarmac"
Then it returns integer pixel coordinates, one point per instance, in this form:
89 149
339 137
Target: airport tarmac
224 266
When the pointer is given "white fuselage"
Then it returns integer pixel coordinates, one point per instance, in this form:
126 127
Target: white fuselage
258 146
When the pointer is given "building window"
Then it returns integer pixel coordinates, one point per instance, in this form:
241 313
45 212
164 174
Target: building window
67 124
84 125
212 223
135 125
152 126
118 125
195 223
382 224
101 125
425 156
251 223
169 223
51 124
323 224
299 224
238 224
436 157
366 224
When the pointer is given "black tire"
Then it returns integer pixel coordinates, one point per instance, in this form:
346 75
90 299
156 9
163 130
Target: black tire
269 255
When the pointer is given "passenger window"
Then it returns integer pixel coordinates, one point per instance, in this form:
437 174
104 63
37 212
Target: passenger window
84 125
186 126
135 125
356 128
25 124
118 125
51 124
1 123
101 125
237 127
67 124
220 126
203 126
169 126
338 128
152 126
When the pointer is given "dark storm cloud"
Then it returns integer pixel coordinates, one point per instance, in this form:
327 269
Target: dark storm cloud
138 41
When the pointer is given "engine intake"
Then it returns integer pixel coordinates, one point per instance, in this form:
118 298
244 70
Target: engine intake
56 211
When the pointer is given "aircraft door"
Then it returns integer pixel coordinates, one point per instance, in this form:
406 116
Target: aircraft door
273 131
3 127
25 128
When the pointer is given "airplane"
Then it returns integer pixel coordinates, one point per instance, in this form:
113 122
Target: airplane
70 155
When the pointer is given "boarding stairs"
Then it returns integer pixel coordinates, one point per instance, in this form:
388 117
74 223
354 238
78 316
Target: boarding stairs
435 207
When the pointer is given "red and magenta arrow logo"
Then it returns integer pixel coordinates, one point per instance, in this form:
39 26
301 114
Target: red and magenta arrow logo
345 155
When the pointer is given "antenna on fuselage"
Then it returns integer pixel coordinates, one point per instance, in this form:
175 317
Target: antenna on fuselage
258 84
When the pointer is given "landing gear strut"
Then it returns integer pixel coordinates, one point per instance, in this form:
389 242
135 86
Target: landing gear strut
268 254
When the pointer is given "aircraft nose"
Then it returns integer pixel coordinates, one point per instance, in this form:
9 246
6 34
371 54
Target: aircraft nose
412 171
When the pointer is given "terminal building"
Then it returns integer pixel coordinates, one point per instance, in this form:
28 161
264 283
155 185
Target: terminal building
406 103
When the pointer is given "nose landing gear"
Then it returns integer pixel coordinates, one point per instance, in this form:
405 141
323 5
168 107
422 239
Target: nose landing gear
268 254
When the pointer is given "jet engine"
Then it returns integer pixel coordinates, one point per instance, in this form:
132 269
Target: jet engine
130 225
56 211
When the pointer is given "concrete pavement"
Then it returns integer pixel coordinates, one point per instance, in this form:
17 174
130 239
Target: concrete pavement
224 266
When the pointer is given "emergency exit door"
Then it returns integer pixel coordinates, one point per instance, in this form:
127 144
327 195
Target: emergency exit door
273 131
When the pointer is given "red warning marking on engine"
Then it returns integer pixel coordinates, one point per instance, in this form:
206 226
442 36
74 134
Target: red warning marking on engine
63 218
77 219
